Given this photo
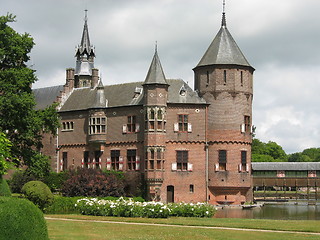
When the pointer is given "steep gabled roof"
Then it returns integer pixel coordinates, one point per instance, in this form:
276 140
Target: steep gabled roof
126 95
223 50
46 96
155 73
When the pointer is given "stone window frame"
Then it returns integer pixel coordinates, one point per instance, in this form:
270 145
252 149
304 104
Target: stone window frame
155 119
67 126
97 125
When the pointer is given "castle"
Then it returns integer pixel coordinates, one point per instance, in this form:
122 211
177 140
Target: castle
189 145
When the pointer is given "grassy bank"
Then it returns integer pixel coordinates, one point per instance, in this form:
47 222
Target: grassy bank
59 229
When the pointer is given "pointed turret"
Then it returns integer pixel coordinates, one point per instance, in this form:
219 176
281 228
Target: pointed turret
223 49
155 74
85 53
100 101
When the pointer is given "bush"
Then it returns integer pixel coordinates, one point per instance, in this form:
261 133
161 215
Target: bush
21 219
93 183
55 180
130 208
18 179
38 193
4 188
63 205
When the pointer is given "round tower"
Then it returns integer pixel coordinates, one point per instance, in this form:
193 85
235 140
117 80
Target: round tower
223 78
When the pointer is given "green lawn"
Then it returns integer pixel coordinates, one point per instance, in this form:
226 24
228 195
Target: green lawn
59 229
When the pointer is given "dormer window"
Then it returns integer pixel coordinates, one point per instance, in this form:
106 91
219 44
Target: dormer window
183 91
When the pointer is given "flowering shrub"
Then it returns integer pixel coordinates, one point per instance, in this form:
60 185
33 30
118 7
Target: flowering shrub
130 208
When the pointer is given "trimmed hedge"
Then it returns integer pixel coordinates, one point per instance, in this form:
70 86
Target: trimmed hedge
67 205
21 219
38 193
4 188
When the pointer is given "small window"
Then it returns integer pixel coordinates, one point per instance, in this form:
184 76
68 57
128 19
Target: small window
183 123
115 159
131 125
224 77
67 126
243 161
131 158
241 78
247 124
222 160
182 160
191 188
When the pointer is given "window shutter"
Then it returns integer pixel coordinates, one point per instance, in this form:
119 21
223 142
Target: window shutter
82 163
190 167
176 127
240 167
108 164
243 128
247 168
137 163
124 128
61 163
93 164
174 167
137 127
100 163
120 163
189 127
217 167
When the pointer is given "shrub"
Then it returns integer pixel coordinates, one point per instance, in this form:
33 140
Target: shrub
18 179
55 180
93 183
21 219
4 188
38 193
63 205
130 208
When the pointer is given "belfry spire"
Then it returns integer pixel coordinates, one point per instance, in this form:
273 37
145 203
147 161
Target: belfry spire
85 53
224 22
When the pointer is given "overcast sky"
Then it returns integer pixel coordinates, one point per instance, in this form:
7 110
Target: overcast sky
280 39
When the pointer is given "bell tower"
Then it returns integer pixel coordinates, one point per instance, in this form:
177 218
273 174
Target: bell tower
85 73
223 77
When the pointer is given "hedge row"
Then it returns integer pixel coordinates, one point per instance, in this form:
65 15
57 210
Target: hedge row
130 208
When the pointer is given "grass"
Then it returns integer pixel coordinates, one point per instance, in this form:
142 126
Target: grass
59 229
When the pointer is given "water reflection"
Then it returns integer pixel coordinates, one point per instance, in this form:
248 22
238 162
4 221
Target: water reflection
276 211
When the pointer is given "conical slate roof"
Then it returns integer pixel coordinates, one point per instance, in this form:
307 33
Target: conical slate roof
155 74
223 50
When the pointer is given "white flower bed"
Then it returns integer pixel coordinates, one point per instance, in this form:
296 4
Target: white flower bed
129 208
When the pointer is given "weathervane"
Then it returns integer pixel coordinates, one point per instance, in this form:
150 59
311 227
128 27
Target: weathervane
85 14
224 6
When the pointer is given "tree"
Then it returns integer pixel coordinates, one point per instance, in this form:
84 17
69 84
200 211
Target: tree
5 146
299 157
272 150
23 124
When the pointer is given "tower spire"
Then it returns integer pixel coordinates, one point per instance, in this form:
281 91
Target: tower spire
224 22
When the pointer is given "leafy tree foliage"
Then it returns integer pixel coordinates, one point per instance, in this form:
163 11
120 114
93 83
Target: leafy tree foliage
307 155
267 152
5 154
18 118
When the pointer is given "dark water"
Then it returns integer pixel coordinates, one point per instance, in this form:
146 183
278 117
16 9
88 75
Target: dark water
276 211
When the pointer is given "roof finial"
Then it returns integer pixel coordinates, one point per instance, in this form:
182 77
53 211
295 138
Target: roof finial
156 47
85 14
224 22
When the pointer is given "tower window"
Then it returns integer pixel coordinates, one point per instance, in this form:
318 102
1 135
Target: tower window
247 123
222 160
243 160
191 188
182 160
241 78
224 77
97 125
208 78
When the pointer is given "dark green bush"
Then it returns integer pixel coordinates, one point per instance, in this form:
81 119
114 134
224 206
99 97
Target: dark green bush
55 180
4 188
38 193
18 179
21 219
63 205
92 183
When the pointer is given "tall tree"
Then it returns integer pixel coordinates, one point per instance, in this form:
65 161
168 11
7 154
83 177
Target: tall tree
20 121
267 152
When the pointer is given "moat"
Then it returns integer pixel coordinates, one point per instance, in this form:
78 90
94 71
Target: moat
288 210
